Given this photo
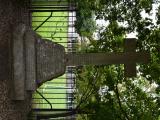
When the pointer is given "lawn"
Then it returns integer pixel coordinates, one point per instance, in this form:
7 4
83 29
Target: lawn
54 29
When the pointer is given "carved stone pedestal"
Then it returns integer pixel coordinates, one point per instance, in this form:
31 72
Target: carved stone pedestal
34 61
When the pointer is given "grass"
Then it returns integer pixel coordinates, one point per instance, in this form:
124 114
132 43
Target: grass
55 30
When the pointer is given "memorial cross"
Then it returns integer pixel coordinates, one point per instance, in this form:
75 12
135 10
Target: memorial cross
36 60
129 58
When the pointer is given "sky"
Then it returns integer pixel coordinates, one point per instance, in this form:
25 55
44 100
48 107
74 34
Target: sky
144 15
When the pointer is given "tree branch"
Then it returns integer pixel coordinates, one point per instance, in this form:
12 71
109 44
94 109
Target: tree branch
118 96
88 92
119 103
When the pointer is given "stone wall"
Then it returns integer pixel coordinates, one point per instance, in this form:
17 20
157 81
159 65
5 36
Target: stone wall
11 13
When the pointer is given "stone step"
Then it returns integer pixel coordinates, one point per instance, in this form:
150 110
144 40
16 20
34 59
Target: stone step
18 65
30 60
24 62
35 61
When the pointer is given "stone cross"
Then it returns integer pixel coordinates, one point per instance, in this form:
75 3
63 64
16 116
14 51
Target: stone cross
129 58
36 60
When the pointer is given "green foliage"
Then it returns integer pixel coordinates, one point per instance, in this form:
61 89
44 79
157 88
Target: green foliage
85 23
105 94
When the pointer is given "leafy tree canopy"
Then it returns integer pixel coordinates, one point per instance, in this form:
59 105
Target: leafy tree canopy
104 92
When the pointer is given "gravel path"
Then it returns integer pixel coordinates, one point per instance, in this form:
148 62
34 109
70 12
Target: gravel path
11 13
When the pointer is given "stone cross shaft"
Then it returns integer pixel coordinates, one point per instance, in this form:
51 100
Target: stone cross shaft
129 58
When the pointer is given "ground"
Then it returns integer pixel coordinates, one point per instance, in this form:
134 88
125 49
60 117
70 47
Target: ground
11 13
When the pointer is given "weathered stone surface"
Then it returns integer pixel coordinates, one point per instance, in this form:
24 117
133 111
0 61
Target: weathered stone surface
50 60
130 68
18 66
106 58
129 58
30 59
